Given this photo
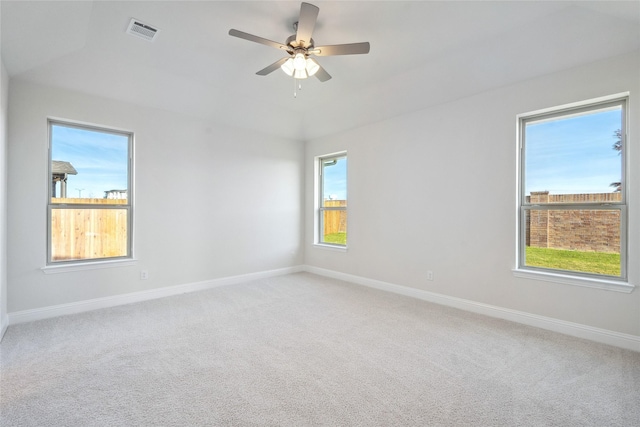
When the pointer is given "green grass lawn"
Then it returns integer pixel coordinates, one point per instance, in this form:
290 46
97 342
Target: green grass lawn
587 262
337 238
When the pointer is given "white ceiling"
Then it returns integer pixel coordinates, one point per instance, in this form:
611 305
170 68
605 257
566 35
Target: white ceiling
422 53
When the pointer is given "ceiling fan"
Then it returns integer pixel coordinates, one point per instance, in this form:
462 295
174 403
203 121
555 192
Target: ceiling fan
300 46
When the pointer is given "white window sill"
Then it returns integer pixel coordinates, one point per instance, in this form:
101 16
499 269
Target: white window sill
606 284
330 247
82 266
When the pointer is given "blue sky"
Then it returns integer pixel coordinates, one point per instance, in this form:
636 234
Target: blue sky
573 155
100 159
335 180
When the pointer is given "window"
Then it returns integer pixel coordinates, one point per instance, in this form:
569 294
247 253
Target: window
332 203
573 208
89 201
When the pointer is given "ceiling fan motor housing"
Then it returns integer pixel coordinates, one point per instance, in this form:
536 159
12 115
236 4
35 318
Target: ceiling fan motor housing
291 41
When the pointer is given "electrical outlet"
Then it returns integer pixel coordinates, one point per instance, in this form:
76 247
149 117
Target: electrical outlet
429 275
144 275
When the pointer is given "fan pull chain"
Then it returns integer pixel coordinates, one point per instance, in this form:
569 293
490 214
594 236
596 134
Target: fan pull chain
297 85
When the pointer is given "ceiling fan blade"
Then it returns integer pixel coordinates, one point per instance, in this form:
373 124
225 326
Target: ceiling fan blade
256 39
306 23
271 68
322 74
341 49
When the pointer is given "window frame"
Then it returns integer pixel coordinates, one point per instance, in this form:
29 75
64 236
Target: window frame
617 283
52 266
320 208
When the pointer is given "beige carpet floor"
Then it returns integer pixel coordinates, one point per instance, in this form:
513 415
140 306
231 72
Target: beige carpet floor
302 350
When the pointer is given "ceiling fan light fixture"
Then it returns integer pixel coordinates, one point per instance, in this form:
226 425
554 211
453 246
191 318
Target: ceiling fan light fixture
300 74
299 61
312 67
287 67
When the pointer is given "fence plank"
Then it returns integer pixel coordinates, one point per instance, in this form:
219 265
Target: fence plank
88 233
335 221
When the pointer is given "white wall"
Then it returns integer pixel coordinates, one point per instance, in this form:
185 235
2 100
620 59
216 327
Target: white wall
4 97
436 190
211 201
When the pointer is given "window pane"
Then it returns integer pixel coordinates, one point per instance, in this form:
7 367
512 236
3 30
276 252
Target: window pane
579 240
88 164
334 181
90 169
573 158
333 215
577 153
334 225
78 234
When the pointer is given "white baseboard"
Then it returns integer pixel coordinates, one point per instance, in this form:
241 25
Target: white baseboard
630 342
4 324
106 302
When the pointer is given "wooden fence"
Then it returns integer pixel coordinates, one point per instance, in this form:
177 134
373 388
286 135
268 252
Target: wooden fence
85 233
335 221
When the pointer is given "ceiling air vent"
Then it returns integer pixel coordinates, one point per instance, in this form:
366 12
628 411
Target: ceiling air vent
142 30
